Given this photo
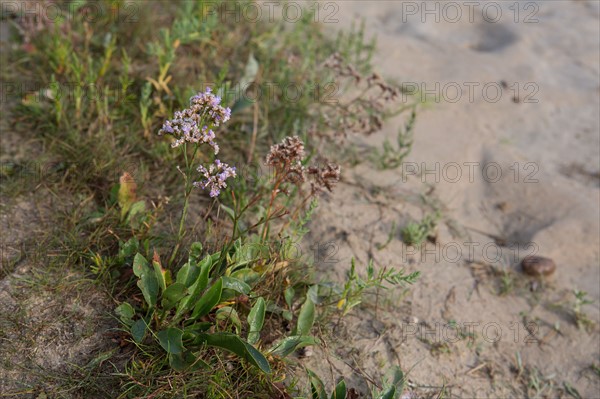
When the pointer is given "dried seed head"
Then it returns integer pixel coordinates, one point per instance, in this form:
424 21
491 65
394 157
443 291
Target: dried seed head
289 152
324 177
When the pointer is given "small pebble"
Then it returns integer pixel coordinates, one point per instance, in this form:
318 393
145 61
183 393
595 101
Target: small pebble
538 266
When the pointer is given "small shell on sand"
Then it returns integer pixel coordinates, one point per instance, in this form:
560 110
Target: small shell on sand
538 266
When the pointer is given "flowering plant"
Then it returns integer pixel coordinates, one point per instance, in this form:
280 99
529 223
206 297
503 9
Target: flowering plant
194 126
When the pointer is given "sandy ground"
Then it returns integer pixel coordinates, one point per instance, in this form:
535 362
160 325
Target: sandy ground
541 133
514 155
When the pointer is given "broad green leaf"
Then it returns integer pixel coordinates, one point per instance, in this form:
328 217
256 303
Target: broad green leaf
388 394
398 378
317 387
340 391
129 247
195 290
140 265
306 318
125 312
198 327
136 209
170 340
205 267
173 294
289 296
209 300
289 344
228 313
236 285
256 319
287 314
188 274
313 293
160 273
138 330
149 286
147 280
235 344
246 275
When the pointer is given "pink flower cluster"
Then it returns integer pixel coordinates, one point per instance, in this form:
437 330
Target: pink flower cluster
215 177
193 124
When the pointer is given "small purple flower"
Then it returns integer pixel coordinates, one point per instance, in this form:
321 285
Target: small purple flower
205 110
215 177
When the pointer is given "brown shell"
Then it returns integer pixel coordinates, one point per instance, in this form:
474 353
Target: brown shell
538 266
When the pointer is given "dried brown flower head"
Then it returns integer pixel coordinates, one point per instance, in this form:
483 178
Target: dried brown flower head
363 114
324 177
289 152
287 158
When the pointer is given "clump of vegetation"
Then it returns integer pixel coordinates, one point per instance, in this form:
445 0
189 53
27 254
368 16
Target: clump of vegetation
581 318
391 157
211 296
415 233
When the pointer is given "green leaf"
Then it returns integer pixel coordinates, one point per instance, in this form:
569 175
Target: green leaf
388 394
256 319
229 212
149 287
195 290
398 379
160 275
173 294
125 312
306 318
288 345
140 265
289 296
195 251
572 391
205 267
209 300
246 275
135 210
188 274
236 285
317 387
198 327
287 314
138 330
228 313
340 391
235 344
147 280
170 340
129 247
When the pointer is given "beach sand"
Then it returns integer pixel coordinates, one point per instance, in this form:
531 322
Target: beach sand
509 147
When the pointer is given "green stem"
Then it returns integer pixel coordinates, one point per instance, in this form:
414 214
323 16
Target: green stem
187 191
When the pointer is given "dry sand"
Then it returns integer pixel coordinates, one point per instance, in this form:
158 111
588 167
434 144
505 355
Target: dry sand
545 143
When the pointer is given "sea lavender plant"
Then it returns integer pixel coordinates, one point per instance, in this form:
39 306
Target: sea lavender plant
287 160
194 126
